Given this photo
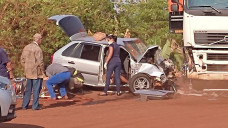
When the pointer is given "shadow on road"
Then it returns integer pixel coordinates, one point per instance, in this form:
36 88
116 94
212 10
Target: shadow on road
53 105
115 98
80 97
60 104
10 125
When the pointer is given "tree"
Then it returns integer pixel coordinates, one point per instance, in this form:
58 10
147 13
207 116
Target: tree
149 21
20 20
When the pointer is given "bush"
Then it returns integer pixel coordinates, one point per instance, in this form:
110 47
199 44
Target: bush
20 20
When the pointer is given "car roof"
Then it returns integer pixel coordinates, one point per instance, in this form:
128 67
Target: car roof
90 39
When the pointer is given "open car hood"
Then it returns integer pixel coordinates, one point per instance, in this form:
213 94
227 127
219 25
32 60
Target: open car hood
138 49
141 56
71 25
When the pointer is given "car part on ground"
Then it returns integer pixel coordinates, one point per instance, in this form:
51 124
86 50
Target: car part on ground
154 94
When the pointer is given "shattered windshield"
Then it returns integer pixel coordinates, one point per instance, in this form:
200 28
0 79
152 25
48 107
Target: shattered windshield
135 47
217 4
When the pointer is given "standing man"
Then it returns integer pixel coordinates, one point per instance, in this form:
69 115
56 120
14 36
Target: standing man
32 61
5 65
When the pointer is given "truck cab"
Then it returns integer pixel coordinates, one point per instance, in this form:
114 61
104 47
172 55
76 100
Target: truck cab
203 24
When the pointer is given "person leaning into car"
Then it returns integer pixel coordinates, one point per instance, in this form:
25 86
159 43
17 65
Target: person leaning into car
32 61
5 65
58 76
112 63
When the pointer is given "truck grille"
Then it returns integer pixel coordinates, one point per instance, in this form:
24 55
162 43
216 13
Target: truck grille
217 56
217 67
207 38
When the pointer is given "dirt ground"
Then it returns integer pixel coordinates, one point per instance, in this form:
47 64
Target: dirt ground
126 111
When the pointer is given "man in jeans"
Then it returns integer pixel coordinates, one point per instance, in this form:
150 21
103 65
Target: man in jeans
32 61
58 76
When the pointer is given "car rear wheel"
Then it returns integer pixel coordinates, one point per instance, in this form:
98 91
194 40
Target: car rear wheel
140 81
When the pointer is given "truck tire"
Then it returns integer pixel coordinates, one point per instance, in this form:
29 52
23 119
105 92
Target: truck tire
140 81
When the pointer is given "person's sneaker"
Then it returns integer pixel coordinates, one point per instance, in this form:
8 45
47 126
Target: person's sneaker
24 108
102 94
118 94
52 99
65 97
36 108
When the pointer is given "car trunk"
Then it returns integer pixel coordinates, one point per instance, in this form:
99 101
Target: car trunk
71 25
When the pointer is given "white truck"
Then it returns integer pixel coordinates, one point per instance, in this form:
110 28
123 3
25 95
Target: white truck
204 25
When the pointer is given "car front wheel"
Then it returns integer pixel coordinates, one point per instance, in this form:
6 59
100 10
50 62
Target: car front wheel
140 81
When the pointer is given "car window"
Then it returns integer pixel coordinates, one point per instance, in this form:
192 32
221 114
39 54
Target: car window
91 52
73 51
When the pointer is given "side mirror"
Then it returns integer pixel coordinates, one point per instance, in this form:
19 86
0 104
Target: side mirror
175 7
175 1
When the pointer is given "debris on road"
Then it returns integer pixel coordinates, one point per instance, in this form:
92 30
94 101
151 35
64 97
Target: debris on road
154 94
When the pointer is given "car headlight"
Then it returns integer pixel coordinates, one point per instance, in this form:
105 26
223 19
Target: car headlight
5 86
14 98
10 89
163 78
137 67
13 94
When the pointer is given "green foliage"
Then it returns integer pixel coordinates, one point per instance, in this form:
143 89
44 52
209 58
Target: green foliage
21 19
148 21
173 53
166 51
177 58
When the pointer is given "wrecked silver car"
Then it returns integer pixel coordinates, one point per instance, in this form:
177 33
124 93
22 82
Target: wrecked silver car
142 67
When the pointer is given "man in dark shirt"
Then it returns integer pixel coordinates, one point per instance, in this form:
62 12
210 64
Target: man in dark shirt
5 65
